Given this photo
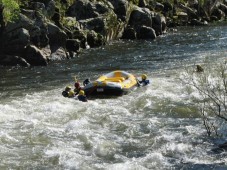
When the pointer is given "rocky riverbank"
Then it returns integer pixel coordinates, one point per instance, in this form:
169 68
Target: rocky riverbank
47 30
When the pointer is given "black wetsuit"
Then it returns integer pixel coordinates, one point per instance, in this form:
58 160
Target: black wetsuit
82 98
65 94
144 82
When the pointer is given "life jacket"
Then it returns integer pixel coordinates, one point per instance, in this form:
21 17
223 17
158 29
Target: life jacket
77 90
82 98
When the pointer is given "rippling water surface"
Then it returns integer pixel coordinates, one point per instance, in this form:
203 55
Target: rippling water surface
155 127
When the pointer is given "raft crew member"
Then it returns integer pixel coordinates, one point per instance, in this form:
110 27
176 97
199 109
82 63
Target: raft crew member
82 97
68 92
77 88
144 80
86 82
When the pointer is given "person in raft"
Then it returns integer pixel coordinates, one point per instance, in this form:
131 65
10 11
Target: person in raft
143 81
68 92
77 88
86 82
82 97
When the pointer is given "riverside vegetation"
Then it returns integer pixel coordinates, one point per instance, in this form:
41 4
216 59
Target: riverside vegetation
35 32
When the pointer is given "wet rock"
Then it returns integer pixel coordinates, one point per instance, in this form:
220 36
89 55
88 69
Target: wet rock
11 60
142 3
56 35
50 8
159 6
73 45
139 17
94 39
223 146
129 33
195 22
83 9
121 8
218 13
167 7
16 41
146 33
199 68
58 53
35 56
81 36
223 8
159 24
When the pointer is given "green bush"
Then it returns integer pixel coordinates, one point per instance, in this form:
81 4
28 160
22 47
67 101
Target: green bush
11 9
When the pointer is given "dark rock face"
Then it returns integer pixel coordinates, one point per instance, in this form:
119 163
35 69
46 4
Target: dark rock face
94 39
73 45
159 24
56 35
129 33
120 8
223 7
16 41
34 56
83 9
146 33
140 16
10 60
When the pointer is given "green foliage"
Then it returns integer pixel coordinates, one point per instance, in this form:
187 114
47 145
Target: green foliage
11 9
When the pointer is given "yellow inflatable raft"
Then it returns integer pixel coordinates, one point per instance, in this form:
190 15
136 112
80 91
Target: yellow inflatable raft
114 83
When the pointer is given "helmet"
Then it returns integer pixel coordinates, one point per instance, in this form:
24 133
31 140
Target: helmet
71 93
68 88
144 76
81 92
77 85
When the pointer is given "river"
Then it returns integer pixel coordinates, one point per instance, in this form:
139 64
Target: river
154 127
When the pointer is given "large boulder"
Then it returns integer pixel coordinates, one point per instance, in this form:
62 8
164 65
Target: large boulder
35 56
120 8
223 8
159 24
147 33
129 33
81 36
83 9
218 13
57 37
108 26
73 45
58 53
139 17
16 41
11 60
94 39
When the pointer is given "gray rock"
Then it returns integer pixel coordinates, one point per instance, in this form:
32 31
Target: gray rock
159 24
83 9
73 45
139 17
94 39
129 33
16 41
58 53
35 56
11 60
147 33
56 35
121 8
